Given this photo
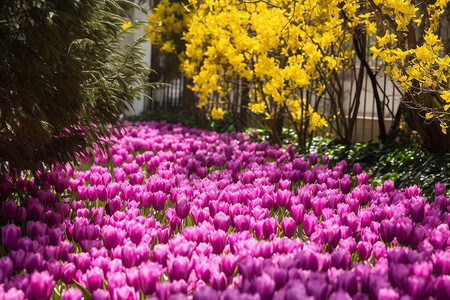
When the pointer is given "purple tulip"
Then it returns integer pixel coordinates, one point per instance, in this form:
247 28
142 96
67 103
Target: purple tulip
364 250
94 279
33 261
357 169
125 293
129 258
21 214
82 192
341 259
387 230
205 293
309 224
92 193
218 240
298 213
288 225
72 294
442 287
179 268
222 221
61 182
228 264
248 268
313 158
332 236
9 209
318 288
404 231
182 207
40 285
264 286
100 295
218 281
442 263
35 211
242 222
345 184
10 236
110 237
439 189
270 228
159 200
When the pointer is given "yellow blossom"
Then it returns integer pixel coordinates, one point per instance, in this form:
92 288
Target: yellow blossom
217 113
126 25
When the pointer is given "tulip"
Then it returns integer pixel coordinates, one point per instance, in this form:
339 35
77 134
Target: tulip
345 184
439 189
288 225
362 178
218 241
61 182
182 207
387 230
270 228
442 263
72 294
149 274
9 209
404 231
125 293
179 268
159 200
205 293
218 281
364 250
298 213
100 295
309 224
20 216
10 236
110 237
129 258
242 222
264 286
33 261
228 264
222 221
40 285
332 236
341 259
357 169
442 287
94 279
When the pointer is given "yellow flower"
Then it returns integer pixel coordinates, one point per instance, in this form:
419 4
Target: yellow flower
217 113
444 128
126 25
257 108
446 96
428 115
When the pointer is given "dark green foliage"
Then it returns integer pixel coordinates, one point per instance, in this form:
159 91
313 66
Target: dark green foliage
172 117
63 78
406 164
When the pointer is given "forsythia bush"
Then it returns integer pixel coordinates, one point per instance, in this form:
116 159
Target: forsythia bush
272 47
282 50
408 41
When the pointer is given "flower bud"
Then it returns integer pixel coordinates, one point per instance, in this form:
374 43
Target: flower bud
10 236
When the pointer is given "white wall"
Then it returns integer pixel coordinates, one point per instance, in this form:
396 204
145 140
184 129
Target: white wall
137 15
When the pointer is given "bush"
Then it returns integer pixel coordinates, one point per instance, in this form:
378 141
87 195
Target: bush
64 76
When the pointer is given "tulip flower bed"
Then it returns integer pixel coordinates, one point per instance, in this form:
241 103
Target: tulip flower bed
178 213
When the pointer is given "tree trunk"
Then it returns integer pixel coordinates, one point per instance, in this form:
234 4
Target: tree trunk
430 134
190 104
